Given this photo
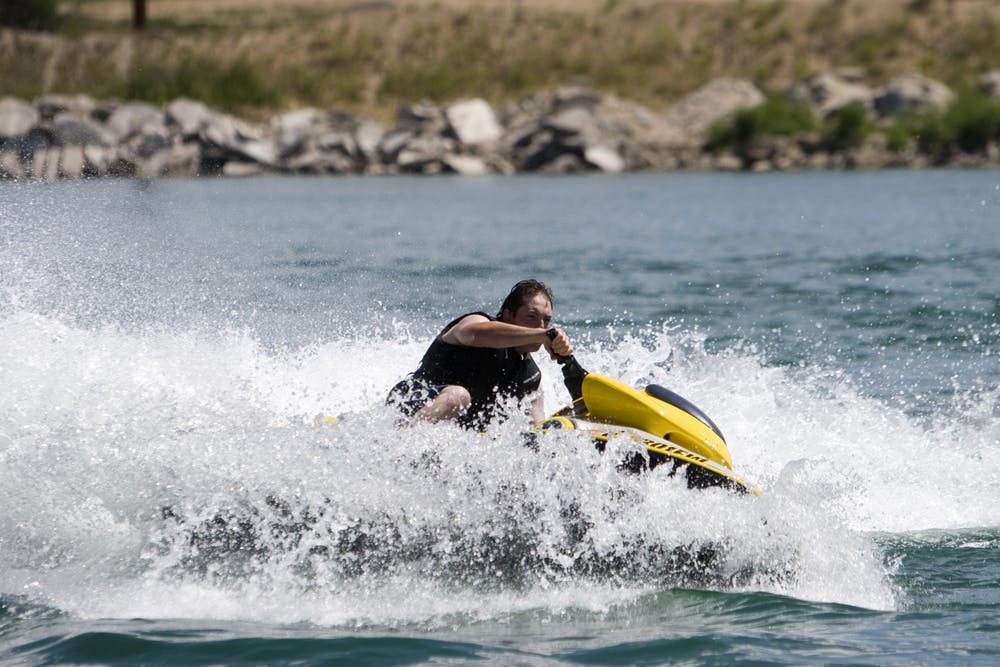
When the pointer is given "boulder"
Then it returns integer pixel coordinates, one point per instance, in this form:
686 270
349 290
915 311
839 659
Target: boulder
695 114
576 125
473 122
183 159
989 83
16 118
71 161
421 118
70 129
241 169
566 163
392 142
829 92
149 143
575 94
311 141
467 165
134 118
368 134
642 138
45 164
226 138
599 131
188 117
313 161
336 140
50 106
424 154
10 165
97 159
292 130
912 92
604 158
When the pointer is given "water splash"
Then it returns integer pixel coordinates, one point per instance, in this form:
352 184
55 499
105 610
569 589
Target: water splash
156 473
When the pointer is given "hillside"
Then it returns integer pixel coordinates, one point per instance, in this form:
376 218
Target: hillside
255 57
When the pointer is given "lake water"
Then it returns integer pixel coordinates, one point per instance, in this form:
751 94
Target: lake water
165 347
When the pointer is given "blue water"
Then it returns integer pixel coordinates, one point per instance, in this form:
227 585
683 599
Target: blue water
169 500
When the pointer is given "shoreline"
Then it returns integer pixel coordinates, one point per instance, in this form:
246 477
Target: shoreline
573 129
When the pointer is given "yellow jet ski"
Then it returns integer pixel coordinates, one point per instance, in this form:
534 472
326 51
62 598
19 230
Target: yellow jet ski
674 431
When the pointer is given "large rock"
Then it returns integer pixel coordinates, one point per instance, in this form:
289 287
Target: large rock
50 106
135 118
69 129
312 141
989 83
467 165
226 138
71 162
97 160
576 126
581 130
425 154
474 122
293 130
422 118
575 94
392 142
16 118
368 134
912 92
695 114
828 92
188 116
10 165
605 158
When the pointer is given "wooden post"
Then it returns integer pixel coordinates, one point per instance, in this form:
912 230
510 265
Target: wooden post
138 14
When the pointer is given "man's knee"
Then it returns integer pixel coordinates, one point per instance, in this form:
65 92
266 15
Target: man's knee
450 402
456 398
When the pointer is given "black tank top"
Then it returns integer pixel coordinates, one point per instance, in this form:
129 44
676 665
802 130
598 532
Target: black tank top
489 374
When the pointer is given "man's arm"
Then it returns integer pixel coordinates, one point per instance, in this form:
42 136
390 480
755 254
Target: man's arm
478 331
537 410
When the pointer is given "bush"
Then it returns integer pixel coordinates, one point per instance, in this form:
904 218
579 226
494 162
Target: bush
31 14
229 88
847 127
973 120
928 131
969 124
778 115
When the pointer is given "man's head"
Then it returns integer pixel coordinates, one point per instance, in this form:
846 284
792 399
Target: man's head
529 304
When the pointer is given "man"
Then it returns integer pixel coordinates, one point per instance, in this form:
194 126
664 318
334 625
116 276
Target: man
478 362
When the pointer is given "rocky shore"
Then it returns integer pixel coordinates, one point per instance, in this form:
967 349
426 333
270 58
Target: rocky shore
573 129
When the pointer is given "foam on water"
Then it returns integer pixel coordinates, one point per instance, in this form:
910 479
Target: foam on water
157 460
150 472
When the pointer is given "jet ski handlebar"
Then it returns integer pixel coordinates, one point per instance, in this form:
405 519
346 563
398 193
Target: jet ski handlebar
573 374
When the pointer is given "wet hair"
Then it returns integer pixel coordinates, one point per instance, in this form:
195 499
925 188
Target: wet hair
521 293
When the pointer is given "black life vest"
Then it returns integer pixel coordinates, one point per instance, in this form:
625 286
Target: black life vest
489 374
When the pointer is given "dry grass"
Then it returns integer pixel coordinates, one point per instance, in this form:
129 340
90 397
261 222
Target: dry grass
370 56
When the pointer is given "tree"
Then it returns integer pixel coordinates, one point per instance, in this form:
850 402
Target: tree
138 14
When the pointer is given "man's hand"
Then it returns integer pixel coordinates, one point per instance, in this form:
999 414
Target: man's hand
557 343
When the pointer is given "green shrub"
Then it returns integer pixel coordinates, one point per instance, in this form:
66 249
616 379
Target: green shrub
973 120
847 127
31 14
897 138
231 87
927 130
969 124
777 116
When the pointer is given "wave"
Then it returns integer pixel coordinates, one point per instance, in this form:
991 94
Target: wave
153 472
